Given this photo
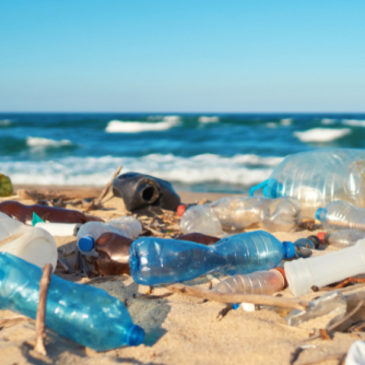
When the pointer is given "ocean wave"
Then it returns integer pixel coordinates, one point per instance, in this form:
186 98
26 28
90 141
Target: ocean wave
354 122
208 119
120 126
322 134
46 142
328 121
241 170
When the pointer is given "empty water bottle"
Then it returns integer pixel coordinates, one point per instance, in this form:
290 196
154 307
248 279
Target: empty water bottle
30 243
82 313
258 282
89 232
317 177
154 261
341 237
340 214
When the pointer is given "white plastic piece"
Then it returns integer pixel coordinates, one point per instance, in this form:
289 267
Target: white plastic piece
59 229
32 244
356 354
302 274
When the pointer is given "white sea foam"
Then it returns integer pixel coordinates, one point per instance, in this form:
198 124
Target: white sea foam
46 142
328 121
208 119
121 126
286 121
354 122
242 170
322 134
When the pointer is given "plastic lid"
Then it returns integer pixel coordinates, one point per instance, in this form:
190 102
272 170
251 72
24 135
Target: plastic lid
180 210
321 214
86 243
135 335
289 250
321 236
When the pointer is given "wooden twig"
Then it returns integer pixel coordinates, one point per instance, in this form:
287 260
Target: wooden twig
96 202
238 298
41 311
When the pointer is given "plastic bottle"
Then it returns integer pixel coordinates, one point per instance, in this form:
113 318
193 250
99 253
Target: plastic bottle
202 219
319 271
82 313
341 214
258 282
32 244
89 232
154 261
24 213
112 252
317 177
341 238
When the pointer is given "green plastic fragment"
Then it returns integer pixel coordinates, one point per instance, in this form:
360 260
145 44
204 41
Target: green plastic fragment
36 219
6 187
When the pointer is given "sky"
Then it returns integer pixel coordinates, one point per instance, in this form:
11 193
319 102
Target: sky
182 55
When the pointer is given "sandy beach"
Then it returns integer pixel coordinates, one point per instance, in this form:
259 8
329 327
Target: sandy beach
179 329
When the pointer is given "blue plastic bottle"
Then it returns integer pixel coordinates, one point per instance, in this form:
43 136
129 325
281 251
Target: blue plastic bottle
156 261
82 313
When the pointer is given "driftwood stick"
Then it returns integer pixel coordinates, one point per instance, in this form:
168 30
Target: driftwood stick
238 298
41 311
96 202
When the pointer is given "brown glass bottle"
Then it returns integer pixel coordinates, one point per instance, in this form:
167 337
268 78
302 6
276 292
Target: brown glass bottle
199 238
113 250
24 213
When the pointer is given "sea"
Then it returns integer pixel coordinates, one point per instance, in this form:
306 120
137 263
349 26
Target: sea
201 152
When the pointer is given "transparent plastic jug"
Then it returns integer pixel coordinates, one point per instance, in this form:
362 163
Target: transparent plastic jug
317 177
29 243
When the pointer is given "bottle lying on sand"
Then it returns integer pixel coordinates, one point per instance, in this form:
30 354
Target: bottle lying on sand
317 177
30 243
24 213
129 227
341 238
154 261
329 268
82 313
234 214
340 215
258 282
140 191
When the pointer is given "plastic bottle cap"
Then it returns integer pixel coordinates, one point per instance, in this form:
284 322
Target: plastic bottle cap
86 243
321 236
135 335
321 214
180 210
289 250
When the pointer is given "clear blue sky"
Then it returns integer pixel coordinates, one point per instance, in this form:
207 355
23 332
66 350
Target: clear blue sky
182 55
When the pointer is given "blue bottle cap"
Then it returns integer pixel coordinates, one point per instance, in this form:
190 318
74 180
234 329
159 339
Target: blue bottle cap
289 250
235 306
321 214
86 243
135 335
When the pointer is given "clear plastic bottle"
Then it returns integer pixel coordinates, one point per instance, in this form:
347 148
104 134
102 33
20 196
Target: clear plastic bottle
202 219
317 177
341 214
258 282
342 237
329 268
82 313
30 243
89 232
154 261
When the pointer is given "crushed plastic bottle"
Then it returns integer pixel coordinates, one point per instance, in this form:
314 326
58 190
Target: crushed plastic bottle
82 313
258 282
317 177
154 261
329 268
30 243
340 215
89 232
341 238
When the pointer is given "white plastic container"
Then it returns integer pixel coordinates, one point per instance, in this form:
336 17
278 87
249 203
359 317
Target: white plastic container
32 244
302 274
59 229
